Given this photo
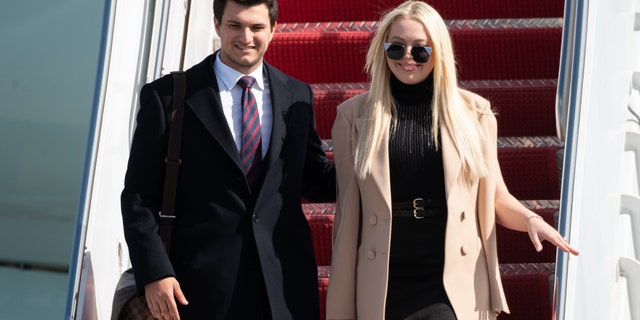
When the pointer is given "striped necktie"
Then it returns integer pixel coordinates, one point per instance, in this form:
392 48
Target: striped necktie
251 148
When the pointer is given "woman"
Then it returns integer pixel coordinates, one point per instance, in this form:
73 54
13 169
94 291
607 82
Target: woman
419 186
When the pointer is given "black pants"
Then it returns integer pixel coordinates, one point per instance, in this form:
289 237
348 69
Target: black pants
438 311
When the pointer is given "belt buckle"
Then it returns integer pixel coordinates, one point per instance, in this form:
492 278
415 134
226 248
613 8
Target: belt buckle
418 208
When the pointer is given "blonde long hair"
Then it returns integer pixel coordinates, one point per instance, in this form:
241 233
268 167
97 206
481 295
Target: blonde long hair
448 106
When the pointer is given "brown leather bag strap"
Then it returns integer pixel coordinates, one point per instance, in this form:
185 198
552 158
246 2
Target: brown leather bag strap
168 214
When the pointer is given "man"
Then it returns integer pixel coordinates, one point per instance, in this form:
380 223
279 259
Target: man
241 246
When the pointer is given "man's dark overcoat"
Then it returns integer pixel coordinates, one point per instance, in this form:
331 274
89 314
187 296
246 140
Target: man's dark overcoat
226 239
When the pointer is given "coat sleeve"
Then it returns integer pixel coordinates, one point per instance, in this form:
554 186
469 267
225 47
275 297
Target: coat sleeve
141 198
341 295
510 212
493 182
319 172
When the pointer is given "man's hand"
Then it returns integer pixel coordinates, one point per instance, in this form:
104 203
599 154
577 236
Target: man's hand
160 298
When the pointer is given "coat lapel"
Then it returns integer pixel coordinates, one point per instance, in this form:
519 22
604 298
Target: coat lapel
281 100
379 180
207 107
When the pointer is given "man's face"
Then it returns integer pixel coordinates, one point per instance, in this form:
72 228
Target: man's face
245 33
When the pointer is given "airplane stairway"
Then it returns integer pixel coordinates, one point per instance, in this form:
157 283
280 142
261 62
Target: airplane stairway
507 51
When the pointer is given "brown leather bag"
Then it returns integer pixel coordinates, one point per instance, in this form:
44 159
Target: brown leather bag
127 304
131 305
136 309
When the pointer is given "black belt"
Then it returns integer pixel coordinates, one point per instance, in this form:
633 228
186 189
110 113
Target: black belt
418 208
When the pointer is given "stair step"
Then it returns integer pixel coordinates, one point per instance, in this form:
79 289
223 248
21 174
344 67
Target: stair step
516 247
321 225
327 96
340 10
531 166
528 288
523 107
485 49
323 286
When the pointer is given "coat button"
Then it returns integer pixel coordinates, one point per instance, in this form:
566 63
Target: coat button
462 216
371 254
373 220
463 250
255 218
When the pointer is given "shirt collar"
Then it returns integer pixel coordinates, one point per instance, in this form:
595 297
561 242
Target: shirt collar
230 76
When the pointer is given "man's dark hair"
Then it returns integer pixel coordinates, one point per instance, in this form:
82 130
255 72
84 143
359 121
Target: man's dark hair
220 5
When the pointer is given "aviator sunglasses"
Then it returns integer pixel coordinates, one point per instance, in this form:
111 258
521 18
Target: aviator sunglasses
420 54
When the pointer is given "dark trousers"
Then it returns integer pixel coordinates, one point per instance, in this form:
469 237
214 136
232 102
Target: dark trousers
438 311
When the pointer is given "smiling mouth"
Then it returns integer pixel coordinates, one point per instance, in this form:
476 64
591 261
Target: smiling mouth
411 67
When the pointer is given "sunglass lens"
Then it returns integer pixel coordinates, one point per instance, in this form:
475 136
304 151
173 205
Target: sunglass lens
395 51
420 54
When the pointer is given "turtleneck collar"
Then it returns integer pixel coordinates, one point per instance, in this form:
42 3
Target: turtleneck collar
412 94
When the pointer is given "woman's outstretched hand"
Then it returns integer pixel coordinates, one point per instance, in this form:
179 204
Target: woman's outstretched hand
539 230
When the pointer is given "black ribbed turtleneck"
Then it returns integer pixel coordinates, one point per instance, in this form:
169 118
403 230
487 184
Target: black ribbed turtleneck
416 258
416 166
412 94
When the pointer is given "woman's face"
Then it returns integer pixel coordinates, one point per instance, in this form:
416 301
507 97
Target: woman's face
409 33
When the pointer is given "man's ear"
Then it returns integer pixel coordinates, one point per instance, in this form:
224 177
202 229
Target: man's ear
216 25
273 30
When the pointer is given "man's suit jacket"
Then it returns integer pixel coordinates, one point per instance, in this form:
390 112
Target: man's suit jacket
362 226
213 253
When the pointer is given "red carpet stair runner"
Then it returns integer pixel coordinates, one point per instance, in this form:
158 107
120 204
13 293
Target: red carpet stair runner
524 107
371 10
485 49
507 51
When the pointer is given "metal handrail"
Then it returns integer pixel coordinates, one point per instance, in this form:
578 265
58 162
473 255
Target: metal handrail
630 269
567 113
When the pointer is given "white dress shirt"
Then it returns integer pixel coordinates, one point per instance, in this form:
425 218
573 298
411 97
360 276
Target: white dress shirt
231 98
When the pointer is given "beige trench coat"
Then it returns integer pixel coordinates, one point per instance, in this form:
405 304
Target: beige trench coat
359 269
